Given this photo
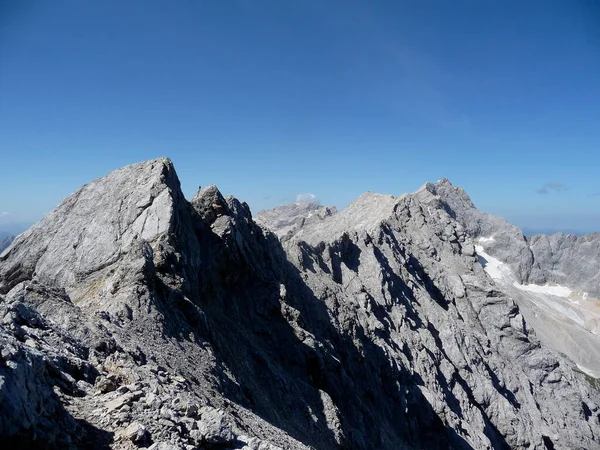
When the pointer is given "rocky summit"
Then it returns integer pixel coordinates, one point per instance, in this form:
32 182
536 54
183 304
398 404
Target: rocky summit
131 317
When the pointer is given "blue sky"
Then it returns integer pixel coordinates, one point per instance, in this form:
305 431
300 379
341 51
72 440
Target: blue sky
271 99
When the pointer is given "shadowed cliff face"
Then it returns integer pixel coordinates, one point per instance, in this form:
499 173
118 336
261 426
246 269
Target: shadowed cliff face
185 322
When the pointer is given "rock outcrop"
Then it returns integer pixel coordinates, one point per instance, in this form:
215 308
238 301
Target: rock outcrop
567 260
131 317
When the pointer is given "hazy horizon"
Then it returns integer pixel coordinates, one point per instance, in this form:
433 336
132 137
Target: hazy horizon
8 226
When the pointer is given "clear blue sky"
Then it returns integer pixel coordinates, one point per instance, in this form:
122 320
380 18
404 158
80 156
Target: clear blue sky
269 99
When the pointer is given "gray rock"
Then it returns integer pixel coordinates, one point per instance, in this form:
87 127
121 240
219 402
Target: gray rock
38 369
165 446
196 436
118 402
567 260
136 433
78 243
215 426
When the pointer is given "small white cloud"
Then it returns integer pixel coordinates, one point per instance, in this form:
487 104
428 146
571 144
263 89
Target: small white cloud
308 198
552 187
5 218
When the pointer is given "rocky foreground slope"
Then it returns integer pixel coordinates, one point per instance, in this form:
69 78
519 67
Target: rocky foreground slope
130 317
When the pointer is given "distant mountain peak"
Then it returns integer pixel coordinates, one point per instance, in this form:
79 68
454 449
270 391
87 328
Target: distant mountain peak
287 219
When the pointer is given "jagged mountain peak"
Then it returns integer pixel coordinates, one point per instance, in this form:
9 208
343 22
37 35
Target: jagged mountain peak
210 203
92 228
454 196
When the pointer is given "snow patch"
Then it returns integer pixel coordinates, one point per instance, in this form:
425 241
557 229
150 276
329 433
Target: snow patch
500 271
493 266
502 274
486 239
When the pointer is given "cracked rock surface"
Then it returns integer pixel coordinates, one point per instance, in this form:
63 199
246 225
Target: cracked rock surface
132 318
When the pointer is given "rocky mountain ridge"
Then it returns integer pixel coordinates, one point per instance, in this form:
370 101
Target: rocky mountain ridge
131 318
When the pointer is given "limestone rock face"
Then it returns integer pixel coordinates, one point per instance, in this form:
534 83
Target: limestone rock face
131 317
567 260
92 228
